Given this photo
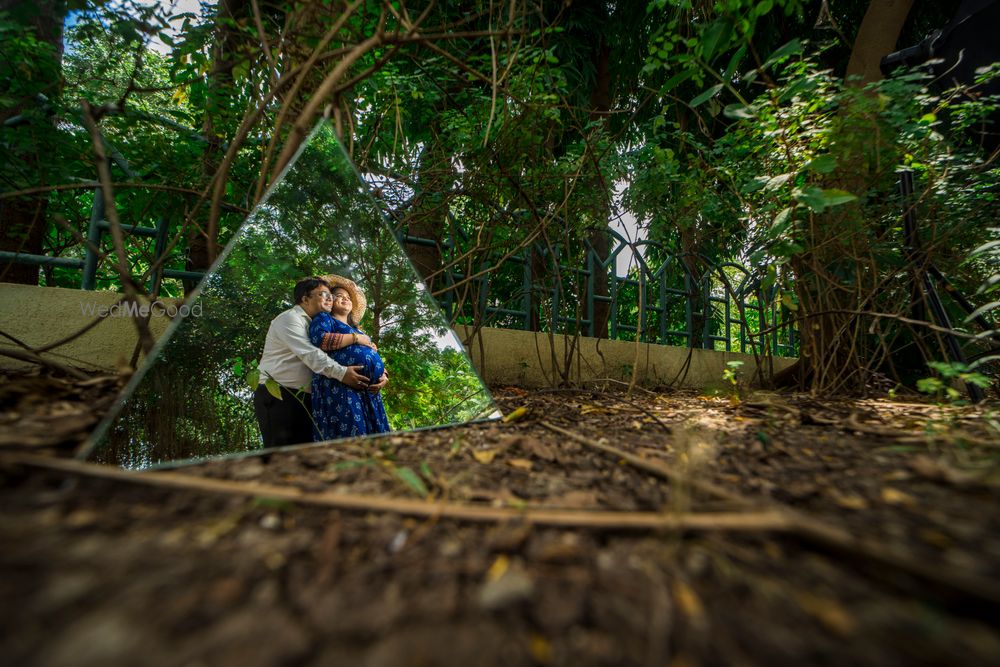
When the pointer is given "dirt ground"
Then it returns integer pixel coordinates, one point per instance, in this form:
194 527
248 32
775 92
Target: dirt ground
596 528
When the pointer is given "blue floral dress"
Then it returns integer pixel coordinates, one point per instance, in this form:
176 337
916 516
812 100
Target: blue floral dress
338 410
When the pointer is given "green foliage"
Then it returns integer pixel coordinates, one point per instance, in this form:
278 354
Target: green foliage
808 167
948 373
29 67
412 480
731 374
151 131
772 160
724 124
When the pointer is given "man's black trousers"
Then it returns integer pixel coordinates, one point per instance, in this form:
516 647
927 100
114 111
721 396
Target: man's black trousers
287 421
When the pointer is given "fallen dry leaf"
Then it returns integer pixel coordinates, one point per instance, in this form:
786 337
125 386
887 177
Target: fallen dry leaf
936 538
514 586
848 501
563 549
689 602
498 568
484 455
939 471
521 464
541 649
515 415
575 499
82 518
505 584
897 497
829 612
536 447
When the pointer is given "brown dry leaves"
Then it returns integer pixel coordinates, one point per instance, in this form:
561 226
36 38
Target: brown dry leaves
44 411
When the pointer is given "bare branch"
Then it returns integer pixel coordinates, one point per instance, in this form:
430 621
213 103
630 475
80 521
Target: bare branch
118 239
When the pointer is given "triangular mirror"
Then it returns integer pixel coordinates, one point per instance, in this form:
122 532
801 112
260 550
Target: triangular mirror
193 397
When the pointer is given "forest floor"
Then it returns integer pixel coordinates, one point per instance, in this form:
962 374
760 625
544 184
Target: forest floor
597 528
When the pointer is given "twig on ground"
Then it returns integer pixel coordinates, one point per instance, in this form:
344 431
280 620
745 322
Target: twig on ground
823 533
640 408
654 467
729 521
619 382
781 520
28 355
909 438
766 405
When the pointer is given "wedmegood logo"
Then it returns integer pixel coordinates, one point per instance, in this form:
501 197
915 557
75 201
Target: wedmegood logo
132 309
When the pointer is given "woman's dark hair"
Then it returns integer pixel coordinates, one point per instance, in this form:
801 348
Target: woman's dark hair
350 316
305 286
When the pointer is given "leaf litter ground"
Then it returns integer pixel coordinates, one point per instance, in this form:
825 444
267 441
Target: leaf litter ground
892 557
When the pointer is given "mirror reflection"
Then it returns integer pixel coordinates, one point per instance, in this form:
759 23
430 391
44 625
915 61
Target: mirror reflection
313 326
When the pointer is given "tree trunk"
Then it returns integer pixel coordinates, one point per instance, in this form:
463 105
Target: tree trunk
541 293
876 38
428 217
832 355
600 105
220 89
22 220
689 245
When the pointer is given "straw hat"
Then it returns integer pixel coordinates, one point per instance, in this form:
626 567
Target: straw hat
357 296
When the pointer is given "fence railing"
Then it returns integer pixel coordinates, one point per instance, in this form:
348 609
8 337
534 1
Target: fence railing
673 299
96 229
98 224
670 299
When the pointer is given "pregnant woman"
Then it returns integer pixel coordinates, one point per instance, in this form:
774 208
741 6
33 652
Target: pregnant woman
338 410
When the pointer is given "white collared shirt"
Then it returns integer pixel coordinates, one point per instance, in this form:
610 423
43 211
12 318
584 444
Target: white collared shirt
289 358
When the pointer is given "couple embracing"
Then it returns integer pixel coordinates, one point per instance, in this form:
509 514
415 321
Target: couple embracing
329 373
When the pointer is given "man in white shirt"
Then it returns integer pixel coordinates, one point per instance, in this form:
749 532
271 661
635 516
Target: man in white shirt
290 360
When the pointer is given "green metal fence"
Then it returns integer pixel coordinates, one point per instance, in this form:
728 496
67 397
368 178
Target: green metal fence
685 299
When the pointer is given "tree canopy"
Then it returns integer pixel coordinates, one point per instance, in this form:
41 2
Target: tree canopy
750 131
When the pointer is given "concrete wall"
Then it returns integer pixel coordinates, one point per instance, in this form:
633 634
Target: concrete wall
532 359
40 315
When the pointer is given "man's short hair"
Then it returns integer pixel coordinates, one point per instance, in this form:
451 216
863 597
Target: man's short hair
305 286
